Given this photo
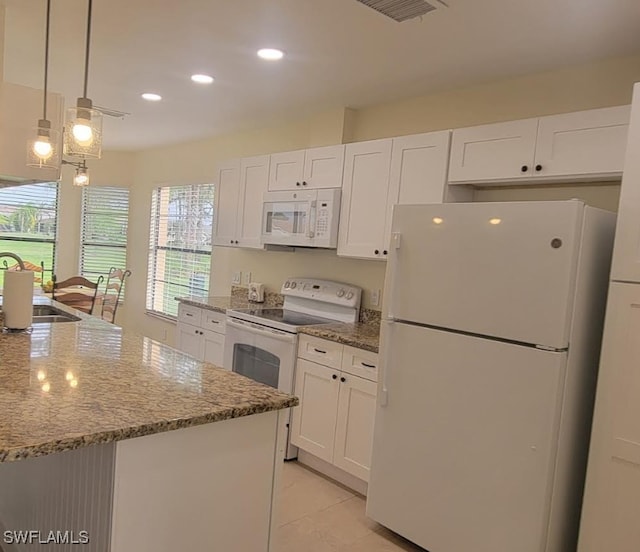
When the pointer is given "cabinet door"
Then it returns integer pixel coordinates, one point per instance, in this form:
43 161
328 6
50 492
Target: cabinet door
323 167
227 188
354 426
612 492
285 172
502 151
189 340
254 178
365 199
314 420
213 347
584 143
626 252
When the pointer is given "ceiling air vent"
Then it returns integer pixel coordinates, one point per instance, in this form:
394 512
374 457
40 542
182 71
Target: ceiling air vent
400 10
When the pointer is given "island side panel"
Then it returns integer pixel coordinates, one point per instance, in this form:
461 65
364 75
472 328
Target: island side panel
64 497
209 487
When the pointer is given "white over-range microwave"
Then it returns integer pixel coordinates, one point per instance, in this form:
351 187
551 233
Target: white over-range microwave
305 218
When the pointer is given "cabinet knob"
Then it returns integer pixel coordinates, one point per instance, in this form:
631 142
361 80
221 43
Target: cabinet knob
538 168
297 183
524 168
304 183
385 252
343 379
237 242
334 376
376 252
231 241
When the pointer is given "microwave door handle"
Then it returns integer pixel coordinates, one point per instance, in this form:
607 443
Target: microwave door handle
311 233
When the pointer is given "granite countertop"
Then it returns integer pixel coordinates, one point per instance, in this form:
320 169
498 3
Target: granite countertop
363 335
218 304
69 385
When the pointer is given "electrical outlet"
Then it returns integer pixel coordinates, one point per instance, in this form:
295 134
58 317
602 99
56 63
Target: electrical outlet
247 277
375 297
236 278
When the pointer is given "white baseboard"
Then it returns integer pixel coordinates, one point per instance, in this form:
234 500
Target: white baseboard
346 479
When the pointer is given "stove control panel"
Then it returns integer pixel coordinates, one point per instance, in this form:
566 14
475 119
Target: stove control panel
336 293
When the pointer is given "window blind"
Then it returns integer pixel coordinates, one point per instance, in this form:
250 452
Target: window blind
28 225
179 245
103 242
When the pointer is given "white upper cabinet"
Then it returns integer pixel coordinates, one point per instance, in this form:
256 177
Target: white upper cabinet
382 173
626 251
585 145
227 192
239 191
254 178
365 201
503 151
312 168
286 170
20 110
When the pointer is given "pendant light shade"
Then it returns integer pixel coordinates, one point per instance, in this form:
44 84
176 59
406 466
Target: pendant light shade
82 175
83 131
43 150
83 128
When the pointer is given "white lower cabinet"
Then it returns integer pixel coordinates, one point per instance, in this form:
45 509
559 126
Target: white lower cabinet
334 420
200 333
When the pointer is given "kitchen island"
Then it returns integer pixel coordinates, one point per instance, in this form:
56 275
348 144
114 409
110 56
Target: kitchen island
113 436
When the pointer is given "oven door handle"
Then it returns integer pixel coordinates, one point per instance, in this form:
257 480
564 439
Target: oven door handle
266 332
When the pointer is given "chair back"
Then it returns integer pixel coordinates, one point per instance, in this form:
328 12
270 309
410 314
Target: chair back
77 292
112 293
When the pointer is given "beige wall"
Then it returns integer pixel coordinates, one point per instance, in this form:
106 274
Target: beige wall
596 85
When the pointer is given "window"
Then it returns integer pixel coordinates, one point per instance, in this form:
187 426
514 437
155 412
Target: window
103 240
179 245
28 220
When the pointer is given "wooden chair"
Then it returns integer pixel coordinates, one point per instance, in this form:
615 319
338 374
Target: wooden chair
112 292
77 292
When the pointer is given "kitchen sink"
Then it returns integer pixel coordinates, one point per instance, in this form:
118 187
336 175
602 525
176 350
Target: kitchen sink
46 314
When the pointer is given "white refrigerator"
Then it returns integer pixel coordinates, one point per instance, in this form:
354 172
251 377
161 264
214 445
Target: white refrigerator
489 348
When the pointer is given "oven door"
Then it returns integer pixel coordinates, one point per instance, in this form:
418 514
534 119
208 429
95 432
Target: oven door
263 354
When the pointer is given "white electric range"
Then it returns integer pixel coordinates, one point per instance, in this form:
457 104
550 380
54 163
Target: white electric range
261 342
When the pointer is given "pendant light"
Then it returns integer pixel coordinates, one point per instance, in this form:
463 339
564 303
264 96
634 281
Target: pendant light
43 150
83 132
82 175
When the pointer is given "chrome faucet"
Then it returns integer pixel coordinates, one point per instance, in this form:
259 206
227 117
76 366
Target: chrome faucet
13 256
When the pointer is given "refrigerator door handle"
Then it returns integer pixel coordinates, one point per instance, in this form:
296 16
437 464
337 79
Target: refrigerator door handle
383 372
391 281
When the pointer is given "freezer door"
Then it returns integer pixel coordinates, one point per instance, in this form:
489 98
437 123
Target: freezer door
464 449
498 269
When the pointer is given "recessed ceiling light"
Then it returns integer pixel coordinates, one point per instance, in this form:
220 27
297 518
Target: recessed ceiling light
202 79
271 54
151 97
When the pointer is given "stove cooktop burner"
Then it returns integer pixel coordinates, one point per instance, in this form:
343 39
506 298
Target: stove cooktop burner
282 316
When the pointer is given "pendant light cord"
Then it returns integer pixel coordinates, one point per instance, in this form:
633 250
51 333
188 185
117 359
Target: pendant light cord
46 60
86 57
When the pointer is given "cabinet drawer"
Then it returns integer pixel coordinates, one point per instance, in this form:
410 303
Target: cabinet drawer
214 321
327 353
360 363
189 314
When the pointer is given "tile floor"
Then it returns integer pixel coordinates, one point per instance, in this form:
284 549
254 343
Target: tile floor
318 515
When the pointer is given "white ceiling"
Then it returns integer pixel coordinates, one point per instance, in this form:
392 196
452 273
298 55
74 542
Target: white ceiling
339 53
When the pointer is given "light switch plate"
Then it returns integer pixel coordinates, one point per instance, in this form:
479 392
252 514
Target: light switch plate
247 277
375 297
236 278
